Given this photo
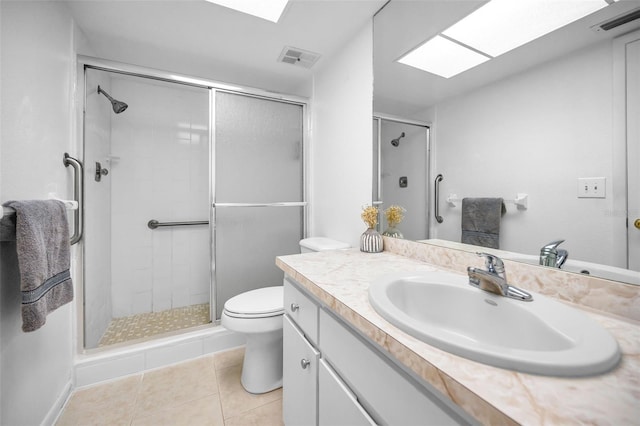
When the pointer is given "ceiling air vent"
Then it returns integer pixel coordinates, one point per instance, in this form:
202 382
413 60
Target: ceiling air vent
299 57
617 21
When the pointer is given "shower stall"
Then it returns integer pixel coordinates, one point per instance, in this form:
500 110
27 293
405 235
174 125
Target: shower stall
192 189
401 173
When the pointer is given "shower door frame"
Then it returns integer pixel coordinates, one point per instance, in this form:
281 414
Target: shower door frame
213 86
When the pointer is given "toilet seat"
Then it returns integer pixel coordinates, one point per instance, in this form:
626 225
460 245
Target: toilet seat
260 303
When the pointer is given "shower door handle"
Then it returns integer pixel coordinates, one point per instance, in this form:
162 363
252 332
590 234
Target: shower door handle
285 204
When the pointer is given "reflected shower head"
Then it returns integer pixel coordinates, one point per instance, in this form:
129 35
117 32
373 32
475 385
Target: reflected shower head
118 106
396 141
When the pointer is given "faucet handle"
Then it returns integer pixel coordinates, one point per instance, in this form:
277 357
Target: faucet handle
552 245
492 263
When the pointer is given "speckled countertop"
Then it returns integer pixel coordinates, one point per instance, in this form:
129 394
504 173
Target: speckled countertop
492 395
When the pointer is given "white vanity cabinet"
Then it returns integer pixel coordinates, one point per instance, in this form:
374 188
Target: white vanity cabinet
337 404
299 377
300 358
334 376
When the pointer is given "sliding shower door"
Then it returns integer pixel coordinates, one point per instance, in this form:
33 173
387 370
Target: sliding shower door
148 162
258 191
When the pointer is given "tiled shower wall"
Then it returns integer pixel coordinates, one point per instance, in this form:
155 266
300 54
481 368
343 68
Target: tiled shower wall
160 171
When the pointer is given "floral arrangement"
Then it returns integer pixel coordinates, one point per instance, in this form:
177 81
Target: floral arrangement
370 216
394 215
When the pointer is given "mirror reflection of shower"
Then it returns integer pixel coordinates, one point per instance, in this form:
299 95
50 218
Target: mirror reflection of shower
396 141
118 106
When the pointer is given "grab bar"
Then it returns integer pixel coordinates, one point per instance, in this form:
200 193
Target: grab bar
436 185
288 204
78 190
153 224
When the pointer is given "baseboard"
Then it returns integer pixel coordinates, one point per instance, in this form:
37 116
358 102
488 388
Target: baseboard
58 405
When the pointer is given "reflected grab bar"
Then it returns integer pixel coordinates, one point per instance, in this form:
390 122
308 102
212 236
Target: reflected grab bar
153 224
436 185
78 191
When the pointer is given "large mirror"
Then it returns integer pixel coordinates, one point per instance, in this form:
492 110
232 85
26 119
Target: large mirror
535 120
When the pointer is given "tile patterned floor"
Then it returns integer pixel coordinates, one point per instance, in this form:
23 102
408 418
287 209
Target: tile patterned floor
154 323
205 391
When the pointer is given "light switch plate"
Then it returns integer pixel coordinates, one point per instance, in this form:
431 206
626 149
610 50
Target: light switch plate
593 187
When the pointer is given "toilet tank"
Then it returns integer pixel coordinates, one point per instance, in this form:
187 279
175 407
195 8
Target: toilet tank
308 245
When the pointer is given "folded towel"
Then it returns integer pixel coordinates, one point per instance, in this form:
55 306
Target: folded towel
42 243
481 221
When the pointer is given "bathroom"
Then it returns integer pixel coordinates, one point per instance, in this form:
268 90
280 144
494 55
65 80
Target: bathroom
40 41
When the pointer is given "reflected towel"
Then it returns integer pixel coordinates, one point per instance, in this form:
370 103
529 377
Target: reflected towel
42 243
481 221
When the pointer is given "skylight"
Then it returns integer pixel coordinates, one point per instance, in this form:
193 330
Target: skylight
443 57
270 10
498 27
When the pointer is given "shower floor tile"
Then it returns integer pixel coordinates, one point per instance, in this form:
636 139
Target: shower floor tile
151 324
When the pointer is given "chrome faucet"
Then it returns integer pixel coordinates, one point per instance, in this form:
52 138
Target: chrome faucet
550 255
494 279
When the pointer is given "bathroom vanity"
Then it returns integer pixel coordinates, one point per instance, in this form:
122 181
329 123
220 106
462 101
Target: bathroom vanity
332 375
343 363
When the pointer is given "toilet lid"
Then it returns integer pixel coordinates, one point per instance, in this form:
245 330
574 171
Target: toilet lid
266 301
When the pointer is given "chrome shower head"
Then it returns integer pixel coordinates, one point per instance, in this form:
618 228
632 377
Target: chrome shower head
396 141
118 106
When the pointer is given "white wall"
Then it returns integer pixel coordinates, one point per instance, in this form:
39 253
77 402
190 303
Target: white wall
340 166
38 78
535 133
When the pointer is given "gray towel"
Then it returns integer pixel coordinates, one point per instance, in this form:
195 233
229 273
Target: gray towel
8 228
42 243
481 221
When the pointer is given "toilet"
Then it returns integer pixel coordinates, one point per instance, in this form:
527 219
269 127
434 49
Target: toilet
258 315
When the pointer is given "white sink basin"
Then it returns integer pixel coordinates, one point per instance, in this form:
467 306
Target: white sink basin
540 337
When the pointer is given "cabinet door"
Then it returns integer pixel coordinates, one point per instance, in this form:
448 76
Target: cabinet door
302 310
391 396
300 377
337 405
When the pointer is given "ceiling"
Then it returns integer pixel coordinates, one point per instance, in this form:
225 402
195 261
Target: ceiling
404 24
201 39
205 40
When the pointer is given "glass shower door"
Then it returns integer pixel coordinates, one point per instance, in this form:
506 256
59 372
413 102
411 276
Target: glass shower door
258 191
149 162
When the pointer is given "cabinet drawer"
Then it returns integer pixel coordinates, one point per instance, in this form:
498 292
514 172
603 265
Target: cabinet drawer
301 309
299 377
337 405
388 393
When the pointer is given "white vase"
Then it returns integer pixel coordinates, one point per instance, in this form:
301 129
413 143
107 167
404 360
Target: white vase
371 241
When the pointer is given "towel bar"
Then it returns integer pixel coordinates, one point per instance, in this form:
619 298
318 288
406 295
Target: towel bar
521 200
7 230
70 204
